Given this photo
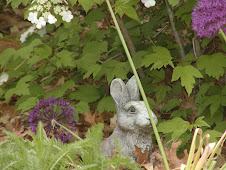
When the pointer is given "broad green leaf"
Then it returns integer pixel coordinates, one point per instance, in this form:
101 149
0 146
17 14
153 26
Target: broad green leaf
85 93
28 104
5 56
158 75
106 104
60 92
66 58
214 102
172 103
1 92
200 122
176 126
160 58
95 47
161 92
214 65
93 69
99 1
73 2
187 75
39 54
125 7
82 107
173 2
86 4
214 135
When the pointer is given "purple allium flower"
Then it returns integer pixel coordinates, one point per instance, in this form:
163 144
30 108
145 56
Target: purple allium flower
208 17
50 109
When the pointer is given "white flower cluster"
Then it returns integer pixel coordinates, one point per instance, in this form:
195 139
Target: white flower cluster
148 3
3 78
43 12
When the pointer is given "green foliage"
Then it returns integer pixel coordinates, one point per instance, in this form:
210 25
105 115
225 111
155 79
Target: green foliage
106 104
187 75
46 153
173 2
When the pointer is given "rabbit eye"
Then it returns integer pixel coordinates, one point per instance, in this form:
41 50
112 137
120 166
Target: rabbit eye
132 109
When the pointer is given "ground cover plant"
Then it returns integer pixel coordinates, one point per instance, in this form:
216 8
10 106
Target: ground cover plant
71 50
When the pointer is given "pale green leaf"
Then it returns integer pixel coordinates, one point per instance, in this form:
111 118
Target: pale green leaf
86 4
200 122
85 93
161 58
187 75
66 58
106 104
214 65
171 126
173 2
28 104
73 2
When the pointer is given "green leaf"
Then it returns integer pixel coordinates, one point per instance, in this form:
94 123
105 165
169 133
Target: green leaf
93 69
214 135
213 65
73 2
1 92
176 126
28 104
22 87
66 58
214 102
160 58
187 75
161 92
39 54
158 75
60 92
85 93
106 104
6 55
82 107
99 1
125 7
86 4
172 103
173 3
200 122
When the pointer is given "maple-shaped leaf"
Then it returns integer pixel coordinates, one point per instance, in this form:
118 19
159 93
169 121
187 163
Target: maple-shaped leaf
187 75
160 58
213 65
214 102
142 158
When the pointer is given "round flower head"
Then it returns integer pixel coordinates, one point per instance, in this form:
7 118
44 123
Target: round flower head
208 17
50 109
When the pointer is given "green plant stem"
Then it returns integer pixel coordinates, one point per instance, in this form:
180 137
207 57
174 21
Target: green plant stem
223 167
76 136
140 85
212 165
223 35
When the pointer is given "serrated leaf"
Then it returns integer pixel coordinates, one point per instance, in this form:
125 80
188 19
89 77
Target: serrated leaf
171 126
66 58
28 104
6 55
173 3
158 75
172 103
214 65
60 92
187 75
161 58
85 93
200 122
82 107
161 92
214 102
86 4
106 104
99 1
94 69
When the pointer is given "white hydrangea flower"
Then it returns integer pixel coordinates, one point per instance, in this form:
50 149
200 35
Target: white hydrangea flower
41 23
52 19
148 3
33 17
30 30
46 14
57 9
48 5
4 78
39 8
66 16
42 1
57 1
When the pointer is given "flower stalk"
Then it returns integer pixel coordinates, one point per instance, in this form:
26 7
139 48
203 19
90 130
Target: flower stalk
140 85
223 35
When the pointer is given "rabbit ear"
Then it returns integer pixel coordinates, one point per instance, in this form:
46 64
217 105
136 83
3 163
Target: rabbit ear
133 89
119 92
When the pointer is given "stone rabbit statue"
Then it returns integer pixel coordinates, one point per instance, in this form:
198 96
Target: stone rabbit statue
133 124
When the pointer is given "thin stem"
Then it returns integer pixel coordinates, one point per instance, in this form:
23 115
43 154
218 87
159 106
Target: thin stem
223 35
55 122
140 85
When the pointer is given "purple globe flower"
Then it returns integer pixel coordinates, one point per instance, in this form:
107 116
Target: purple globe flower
208 17
50 109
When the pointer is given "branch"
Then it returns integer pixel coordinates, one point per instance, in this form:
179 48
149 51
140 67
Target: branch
175 33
